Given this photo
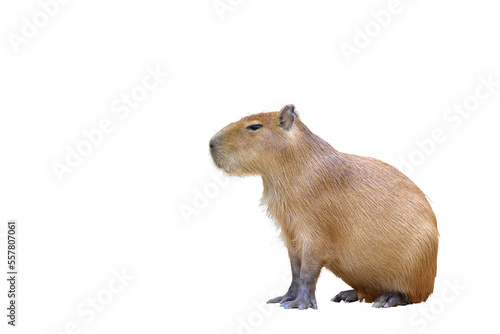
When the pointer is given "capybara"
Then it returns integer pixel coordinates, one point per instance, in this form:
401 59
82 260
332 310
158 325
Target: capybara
359 217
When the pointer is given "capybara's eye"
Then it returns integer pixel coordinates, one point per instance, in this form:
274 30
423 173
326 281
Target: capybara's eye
254 127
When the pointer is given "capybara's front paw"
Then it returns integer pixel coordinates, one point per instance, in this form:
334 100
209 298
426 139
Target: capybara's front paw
281 299
290 295
301 303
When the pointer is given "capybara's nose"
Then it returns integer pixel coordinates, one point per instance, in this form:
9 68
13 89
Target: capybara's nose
214 142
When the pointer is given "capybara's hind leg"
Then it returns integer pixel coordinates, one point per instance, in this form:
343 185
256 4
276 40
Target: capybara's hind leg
348 296
293 291
390 299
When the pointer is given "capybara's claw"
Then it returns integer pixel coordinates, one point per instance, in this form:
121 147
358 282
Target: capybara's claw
281 299
274 300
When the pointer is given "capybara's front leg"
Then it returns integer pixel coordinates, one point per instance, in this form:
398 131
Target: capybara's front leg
309 273
293 291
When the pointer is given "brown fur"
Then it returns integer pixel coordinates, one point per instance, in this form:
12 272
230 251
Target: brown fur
359 217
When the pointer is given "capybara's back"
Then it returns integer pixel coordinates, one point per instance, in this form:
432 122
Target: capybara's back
358 217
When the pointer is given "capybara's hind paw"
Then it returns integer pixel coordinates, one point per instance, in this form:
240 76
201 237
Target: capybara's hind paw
390 299
348 296
301 303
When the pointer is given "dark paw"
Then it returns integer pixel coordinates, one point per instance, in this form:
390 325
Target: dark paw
390 299
301 303
348 296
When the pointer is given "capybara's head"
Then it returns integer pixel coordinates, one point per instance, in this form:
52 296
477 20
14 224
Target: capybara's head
256 144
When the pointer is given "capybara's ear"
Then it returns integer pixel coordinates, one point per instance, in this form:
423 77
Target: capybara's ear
286 116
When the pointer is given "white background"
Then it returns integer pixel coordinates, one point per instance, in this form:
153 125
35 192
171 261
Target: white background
213 270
